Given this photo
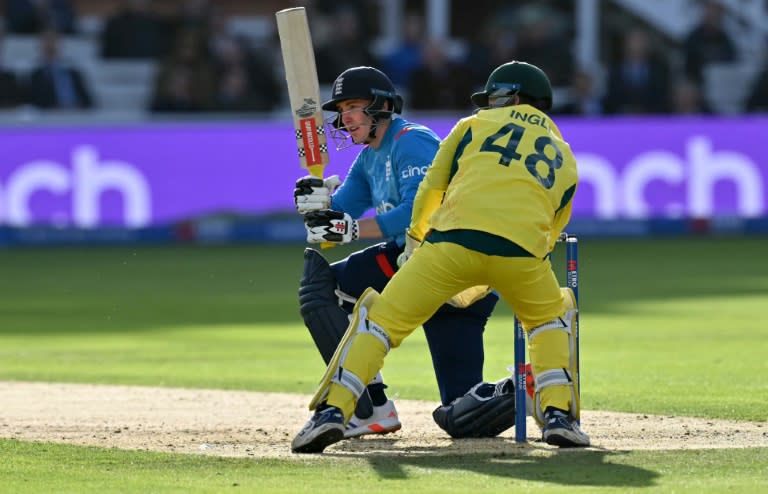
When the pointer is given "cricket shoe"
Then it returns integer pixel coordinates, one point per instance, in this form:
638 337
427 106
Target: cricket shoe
324 428
383 421
560 429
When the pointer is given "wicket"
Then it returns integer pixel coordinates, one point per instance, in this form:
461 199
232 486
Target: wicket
572 282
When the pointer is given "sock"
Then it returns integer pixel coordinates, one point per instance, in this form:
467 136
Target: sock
378 397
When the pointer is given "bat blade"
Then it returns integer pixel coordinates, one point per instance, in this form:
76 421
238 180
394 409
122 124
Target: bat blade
303 89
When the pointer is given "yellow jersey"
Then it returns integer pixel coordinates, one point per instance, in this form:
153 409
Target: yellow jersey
506 171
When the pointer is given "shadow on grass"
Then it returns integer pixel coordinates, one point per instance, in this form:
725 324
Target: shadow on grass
527 463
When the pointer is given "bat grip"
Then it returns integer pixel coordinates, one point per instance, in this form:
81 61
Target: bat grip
317 171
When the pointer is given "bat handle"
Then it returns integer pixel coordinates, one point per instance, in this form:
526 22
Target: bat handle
317 171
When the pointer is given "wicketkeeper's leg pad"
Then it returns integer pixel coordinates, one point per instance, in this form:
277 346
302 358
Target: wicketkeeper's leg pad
360 329
552 348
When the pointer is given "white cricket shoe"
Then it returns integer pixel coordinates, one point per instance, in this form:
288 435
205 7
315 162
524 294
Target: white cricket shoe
383 421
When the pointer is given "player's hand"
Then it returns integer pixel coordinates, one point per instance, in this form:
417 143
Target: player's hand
313 194
328 225
411 244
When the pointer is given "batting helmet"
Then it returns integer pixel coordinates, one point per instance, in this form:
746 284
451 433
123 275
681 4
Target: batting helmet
365 83
517 77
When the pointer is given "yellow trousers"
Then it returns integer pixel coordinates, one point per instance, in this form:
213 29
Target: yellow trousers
438 271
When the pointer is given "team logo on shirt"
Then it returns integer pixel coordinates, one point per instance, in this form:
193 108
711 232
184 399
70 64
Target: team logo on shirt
384 206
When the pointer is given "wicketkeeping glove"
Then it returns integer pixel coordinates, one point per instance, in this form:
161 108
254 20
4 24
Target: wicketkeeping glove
312 193
328 225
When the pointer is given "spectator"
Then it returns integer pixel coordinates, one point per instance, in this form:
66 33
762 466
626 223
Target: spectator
132 32
219 35
343 44
35 16
55 84
439 83
687 98
185 80
708 42
360 9
639 82
542 41
174 93
195 14
401 62
490 47
584 98
757 101
247 81
10 92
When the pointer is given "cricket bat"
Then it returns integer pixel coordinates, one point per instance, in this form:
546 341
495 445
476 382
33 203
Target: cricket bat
303 89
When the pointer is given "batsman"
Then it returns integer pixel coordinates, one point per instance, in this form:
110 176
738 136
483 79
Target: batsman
384 176
488 213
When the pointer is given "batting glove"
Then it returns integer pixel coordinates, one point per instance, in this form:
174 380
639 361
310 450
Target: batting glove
328 225
313 194
411 244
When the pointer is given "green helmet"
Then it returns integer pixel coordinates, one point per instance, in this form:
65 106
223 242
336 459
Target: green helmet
517 77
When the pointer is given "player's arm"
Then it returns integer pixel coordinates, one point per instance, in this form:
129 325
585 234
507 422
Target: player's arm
354 194
562 216
369 228
411 156
432 189
354 198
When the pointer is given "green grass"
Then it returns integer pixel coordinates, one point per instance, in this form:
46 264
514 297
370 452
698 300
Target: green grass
667 326
60 468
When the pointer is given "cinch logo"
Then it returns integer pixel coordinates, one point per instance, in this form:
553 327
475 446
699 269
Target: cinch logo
660 183
87 179
414 171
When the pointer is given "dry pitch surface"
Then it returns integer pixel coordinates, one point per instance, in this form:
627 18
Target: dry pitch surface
248 424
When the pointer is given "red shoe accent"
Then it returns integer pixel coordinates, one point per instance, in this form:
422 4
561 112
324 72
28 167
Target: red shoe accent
379 429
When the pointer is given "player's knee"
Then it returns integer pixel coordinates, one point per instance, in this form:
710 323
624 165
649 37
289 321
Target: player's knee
363 348
318 283
318 304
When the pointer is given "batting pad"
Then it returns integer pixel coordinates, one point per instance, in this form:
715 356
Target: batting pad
359 314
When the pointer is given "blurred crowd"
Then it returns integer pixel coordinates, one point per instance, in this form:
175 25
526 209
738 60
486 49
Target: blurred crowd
202 66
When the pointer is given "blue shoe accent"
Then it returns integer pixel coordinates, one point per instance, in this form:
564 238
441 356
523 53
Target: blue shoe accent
324 428
560 429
